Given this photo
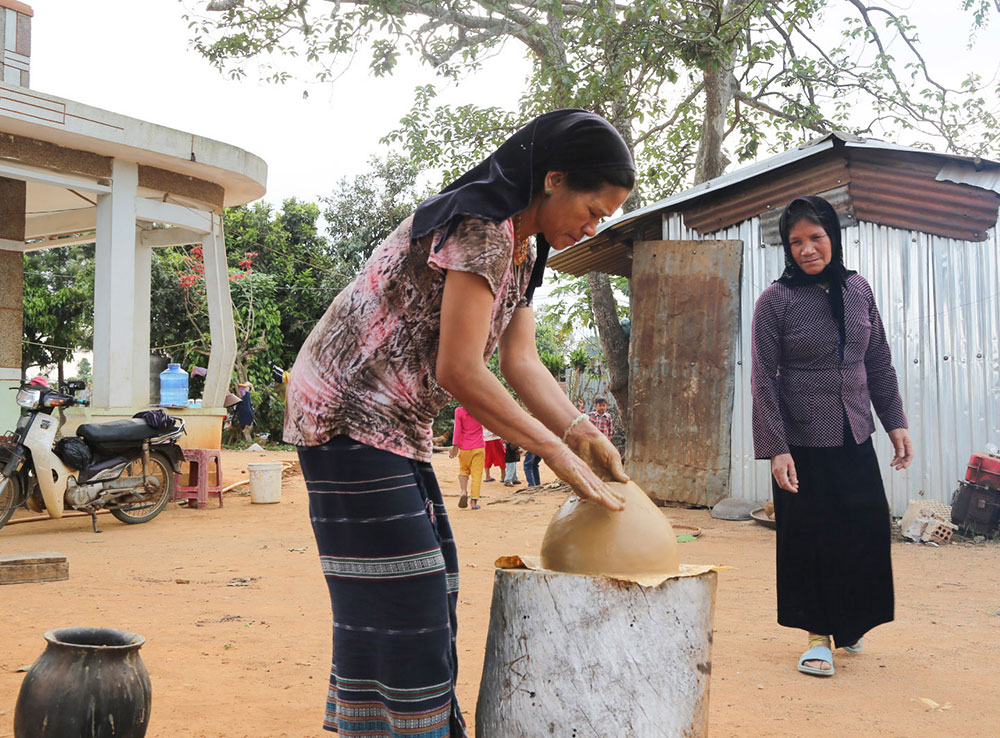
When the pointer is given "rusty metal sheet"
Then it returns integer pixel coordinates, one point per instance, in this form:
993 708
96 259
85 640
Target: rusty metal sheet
685 326
609 252
906 194
753 197
841 200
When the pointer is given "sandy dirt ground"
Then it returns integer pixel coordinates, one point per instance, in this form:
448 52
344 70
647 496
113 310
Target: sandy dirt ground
236 613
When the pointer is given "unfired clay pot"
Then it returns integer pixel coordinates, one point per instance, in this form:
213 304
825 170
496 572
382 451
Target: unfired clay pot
585 537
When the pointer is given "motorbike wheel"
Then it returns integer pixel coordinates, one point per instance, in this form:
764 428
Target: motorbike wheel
10 499
151 506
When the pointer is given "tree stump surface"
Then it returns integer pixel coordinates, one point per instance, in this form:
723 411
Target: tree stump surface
33 567
591 657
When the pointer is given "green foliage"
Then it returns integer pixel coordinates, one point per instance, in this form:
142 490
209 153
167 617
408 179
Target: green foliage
444 421
579 360
549 339
570 309
84 370
269 411
281 278
362 212
553 362
58 305
798 67
450 140
586 364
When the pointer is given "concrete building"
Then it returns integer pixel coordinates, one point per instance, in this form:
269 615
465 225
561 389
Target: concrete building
920 226
70 174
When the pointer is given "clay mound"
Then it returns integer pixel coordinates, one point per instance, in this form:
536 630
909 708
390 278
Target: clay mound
584 537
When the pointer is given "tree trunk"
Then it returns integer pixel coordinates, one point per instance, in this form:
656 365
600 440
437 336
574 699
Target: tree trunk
596 657
613 339
720 87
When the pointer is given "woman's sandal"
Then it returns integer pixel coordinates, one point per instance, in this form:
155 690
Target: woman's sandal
817 653
463 501
857 647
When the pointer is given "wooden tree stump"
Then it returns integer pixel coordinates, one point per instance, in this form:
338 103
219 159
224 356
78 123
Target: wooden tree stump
591 657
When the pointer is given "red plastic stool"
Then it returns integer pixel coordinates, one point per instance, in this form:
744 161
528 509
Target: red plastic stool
197 489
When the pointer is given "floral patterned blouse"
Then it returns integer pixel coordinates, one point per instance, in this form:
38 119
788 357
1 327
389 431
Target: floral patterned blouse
367 368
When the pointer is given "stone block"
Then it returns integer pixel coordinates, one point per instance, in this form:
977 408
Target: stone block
13 200
10 338
11 279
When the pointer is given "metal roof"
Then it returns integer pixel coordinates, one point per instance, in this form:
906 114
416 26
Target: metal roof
983 173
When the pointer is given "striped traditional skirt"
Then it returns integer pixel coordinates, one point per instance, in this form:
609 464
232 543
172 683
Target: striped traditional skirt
392 568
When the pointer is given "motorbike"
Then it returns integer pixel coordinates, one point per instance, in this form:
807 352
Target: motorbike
125 466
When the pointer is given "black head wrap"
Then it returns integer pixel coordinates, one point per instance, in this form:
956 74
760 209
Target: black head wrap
503 184
819 211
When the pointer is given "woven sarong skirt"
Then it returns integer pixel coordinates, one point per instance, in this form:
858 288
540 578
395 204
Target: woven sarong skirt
833 561
392 569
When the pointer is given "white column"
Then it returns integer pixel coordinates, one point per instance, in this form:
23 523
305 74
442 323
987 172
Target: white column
140 325
114 291
220 316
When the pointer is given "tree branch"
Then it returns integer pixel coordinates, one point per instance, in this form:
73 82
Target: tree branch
765 108
673 118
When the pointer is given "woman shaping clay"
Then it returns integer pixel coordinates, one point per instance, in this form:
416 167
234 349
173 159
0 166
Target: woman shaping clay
453 282
820 361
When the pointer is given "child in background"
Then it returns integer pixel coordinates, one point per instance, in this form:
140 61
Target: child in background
531 469
512 454
468 446
494 453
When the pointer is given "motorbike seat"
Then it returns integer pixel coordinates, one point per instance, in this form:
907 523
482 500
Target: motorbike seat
129 430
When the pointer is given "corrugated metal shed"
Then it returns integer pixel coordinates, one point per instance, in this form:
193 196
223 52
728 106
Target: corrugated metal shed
940 302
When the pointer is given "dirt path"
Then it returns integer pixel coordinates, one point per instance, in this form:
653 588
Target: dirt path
235 610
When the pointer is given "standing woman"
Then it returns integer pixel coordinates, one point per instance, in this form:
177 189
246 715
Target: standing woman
820 361
453 282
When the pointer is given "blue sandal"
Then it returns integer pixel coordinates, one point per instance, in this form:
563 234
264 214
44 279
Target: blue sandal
817 653
857 647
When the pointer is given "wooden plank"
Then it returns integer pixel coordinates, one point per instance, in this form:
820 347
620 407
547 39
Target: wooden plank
33 567
682 354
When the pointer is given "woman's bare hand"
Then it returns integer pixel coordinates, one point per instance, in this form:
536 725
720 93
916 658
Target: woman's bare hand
597 451
577 474
903 446
783 469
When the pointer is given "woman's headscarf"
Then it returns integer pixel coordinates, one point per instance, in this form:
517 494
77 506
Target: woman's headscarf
819 211
503 184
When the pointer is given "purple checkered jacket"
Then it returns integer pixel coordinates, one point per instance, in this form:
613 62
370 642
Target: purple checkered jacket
801 387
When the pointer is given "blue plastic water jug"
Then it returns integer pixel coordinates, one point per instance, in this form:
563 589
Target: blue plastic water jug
174 386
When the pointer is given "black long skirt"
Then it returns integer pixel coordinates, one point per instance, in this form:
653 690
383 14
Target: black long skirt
833 560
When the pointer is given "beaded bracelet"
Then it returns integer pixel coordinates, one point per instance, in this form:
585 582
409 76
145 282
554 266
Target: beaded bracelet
577 419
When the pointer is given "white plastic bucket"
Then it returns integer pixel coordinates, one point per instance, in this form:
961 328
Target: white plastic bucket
265 482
